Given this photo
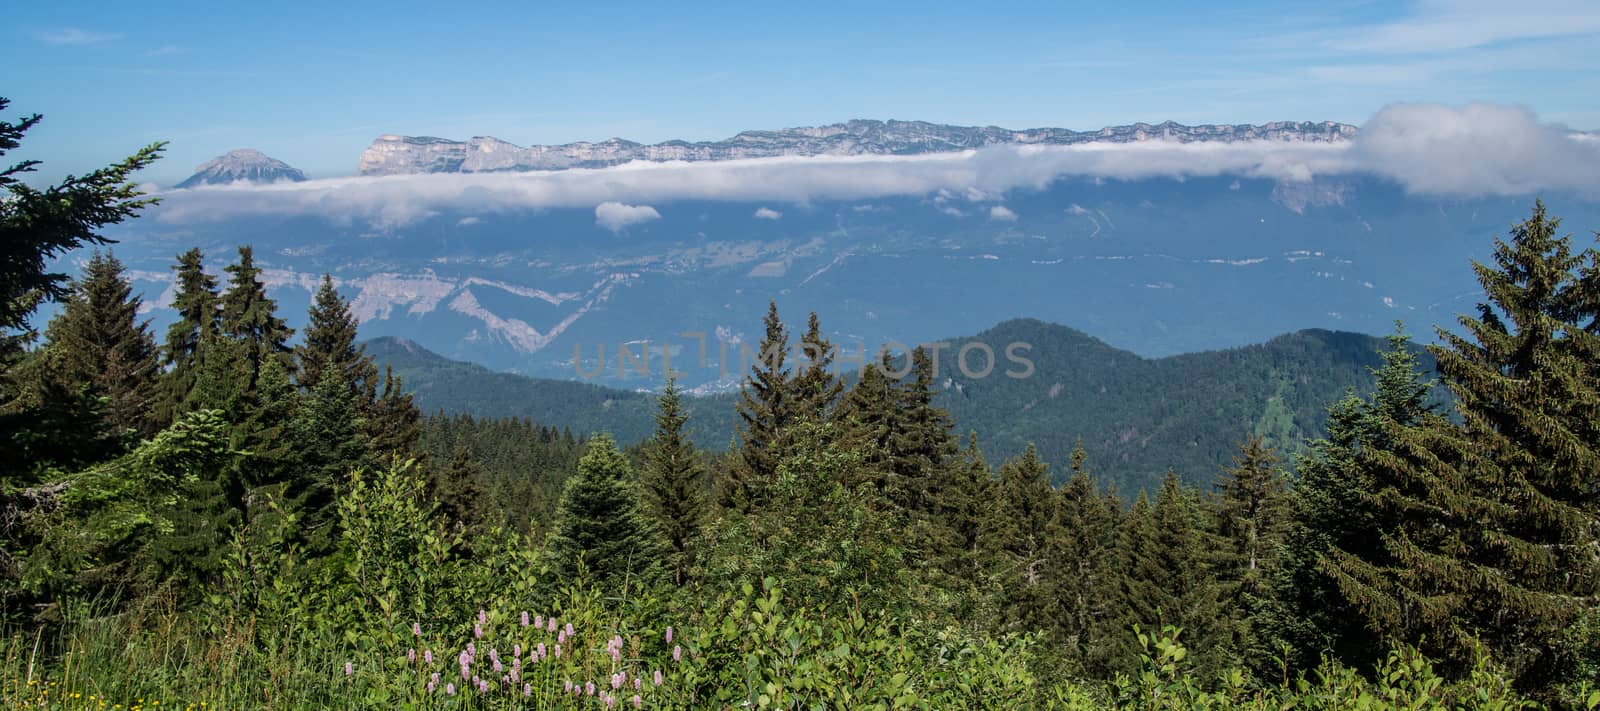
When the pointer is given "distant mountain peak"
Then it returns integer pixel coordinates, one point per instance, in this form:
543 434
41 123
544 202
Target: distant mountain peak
247 164
395 154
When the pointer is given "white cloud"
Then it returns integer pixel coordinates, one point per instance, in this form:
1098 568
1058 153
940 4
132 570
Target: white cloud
468 220
614 215
1002 213
767 213
1478 149
1447 25
73 36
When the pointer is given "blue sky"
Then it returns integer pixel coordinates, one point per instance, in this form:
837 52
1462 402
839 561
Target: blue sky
313 83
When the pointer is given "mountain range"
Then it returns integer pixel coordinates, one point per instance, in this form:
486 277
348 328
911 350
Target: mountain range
1137 417
393 154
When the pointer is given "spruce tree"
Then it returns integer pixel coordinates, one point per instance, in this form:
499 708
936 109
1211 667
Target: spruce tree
766 407
1084 578
1497 516
330 344
99 347
1252 515
456 489
922 444
198 307
962 508
394 424
673 483
816 387
1015 540
1169 559
1336 519
249 316
601 526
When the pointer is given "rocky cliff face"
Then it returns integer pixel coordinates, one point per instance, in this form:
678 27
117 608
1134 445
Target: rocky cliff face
393 155
244 164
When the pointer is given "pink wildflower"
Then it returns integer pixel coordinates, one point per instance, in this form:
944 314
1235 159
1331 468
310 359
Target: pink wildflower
427 656
638 684
450 689
551 625
483 617
558 651
569 629
349 669
669 634
477 631
658 677
637 702
589 688
538 621
524 618
527 690
677 653
416 629
411 655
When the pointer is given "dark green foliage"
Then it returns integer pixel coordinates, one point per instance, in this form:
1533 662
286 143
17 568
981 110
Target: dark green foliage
330 344
522 466
99 347
1015 539
455 488
1252 515
1085 578
817 386
674 484
393 420
37 226
766 407
1334 517
248 316
199 313
831 542
1169 558
601 527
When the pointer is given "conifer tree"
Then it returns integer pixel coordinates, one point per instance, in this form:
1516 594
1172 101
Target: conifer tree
601 526
249 316
1015 539
1252 515
1083 573
99 347
816 387
456 489
766 407
197 304
922 443
673 483
330 344
870 414
394 423
1169 558
1497 516
329 427
962 508
1336 517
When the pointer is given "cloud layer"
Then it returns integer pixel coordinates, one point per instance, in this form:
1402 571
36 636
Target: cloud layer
1478 149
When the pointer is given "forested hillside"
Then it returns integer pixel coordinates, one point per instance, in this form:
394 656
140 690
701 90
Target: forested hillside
235 515
1137 417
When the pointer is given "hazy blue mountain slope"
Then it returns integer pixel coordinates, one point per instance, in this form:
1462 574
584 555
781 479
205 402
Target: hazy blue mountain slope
1137 417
